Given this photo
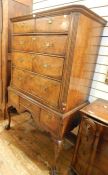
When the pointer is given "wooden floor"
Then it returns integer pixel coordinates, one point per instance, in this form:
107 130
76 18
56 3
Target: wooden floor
25 150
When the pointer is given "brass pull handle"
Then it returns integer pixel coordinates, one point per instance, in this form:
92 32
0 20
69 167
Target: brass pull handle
47 44
50 21
33 56
33 38
20 78
21 59
32 76
45 89
34 15
63 108
64 104
46 65
21 42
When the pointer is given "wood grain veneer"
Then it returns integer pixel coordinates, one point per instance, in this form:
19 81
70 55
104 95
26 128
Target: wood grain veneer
61 39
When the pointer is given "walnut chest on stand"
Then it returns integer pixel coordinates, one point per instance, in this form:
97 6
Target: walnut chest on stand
53 61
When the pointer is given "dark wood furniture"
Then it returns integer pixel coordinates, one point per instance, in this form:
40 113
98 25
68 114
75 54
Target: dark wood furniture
53 56
91 153
8 9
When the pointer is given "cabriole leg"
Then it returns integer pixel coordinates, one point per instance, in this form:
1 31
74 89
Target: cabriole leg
58 148
9 110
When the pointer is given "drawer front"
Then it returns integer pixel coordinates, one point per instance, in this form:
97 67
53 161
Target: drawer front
50 66
30 107
22 60
44 88
37 86
53 24
44 44
13 99
27 26
24 43
52 44
49 121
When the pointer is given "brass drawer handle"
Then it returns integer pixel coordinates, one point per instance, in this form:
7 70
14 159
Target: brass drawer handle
46 65
64 104
33 38
50 21
21 42
21 60
45 89
32 76
20 78
47 44
33 56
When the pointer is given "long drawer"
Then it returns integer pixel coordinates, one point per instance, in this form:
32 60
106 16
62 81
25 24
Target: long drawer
49 121
33 108
43 64
44 24
46 89
52 44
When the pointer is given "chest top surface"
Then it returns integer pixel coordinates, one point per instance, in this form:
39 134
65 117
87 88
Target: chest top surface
97 110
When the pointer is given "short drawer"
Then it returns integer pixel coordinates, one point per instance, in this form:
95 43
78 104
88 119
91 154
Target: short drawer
53 24
30 106
24 43
47 65
52 44
13 99
22 60
49 121
27 26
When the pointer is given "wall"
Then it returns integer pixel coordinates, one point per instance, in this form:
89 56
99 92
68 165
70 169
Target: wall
99 89
26 2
